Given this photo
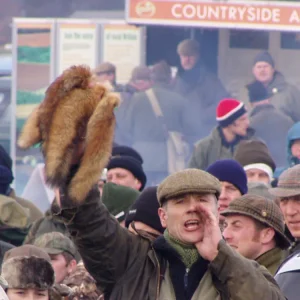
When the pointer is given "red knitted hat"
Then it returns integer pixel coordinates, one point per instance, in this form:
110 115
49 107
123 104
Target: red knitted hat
229 110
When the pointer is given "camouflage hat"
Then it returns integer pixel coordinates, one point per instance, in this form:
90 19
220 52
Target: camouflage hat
27 267
288 183
82 284
188 181
262 210
12 213
105 67
55 243
188 48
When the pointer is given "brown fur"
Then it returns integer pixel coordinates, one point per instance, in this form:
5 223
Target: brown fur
25 272
71 113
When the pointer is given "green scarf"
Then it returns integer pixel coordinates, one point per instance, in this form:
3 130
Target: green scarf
188 253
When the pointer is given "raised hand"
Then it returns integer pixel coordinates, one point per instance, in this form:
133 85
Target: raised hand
208 246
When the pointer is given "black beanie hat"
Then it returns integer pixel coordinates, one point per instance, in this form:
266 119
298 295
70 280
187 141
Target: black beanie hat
145 210
264 56
257 92
127 151
254 152
127 158
231 171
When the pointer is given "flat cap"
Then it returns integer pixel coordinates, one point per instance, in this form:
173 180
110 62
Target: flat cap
188 181
288 183
188 48
141 73
105 67
263 210
55 243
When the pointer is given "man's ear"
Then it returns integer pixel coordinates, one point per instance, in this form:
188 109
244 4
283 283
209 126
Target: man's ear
267 235
72 266
138 184
163 216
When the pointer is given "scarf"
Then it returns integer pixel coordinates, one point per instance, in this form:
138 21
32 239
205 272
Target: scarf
188 253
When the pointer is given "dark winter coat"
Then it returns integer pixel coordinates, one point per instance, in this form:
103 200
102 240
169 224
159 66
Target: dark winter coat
127 266
214 147
284 96
203 90
121 135
147 133
271 125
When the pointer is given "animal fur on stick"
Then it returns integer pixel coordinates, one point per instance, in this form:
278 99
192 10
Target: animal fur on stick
76 112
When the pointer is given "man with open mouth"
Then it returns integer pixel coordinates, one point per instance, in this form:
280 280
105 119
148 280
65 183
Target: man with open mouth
189 261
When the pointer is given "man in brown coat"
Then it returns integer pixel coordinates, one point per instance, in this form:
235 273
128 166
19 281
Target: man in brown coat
190 261
254 226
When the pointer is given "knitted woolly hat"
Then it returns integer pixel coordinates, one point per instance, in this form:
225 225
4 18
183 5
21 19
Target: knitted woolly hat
230 171
118 199
257 92
228 110
254 152
264 56
127 158
145 210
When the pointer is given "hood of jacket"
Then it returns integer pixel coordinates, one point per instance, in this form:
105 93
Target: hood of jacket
293 134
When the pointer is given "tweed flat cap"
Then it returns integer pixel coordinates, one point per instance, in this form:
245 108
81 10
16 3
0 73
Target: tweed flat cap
188 181
262 210
188 48
288 183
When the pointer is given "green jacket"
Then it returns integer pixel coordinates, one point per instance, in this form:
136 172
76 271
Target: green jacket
211 148
126 266
271 260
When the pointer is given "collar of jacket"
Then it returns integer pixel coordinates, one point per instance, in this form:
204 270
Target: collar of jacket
278 84
219 131
270 258
264 107
151 237
193 76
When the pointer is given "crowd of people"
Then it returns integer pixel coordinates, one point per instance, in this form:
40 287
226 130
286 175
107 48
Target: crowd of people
200 198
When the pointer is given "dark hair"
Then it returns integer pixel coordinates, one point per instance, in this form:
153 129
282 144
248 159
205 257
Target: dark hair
68 257
259 226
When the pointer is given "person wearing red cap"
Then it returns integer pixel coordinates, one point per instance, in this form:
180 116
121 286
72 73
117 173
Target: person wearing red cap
221 143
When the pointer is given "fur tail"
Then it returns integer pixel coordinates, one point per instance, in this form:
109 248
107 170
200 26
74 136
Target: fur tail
100 133
76 77
30 134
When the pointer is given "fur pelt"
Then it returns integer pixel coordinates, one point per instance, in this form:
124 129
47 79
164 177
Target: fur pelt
25 272
76 111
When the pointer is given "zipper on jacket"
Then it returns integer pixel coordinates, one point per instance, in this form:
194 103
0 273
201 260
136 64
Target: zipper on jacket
186 278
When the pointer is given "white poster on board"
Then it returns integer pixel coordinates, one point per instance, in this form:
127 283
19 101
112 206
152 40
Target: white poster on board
77 45
122 47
